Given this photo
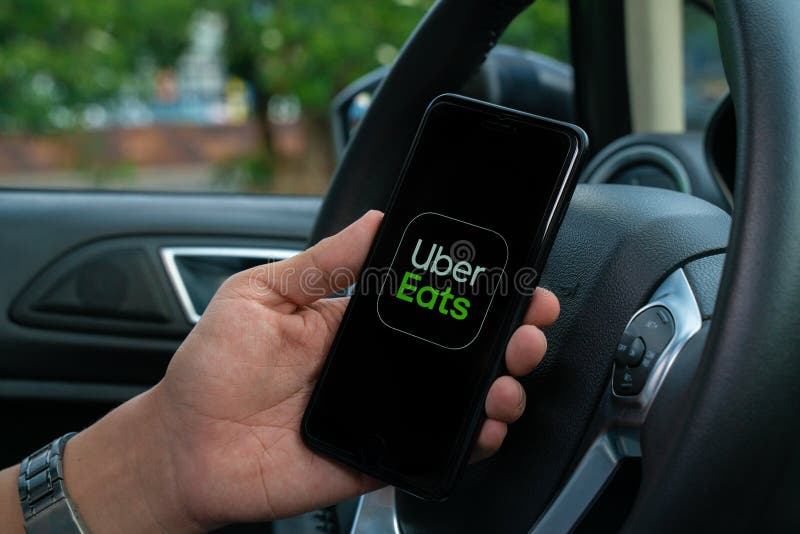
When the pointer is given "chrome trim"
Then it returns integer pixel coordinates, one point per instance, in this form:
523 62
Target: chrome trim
677 296
376 513
169 254
594 471
621 439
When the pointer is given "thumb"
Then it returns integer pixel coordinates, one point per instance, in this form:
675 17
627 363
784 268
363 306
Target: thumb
328 267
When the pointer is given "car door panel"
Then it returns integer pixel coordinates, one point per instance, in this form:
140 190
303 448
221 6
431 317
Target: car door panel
92 314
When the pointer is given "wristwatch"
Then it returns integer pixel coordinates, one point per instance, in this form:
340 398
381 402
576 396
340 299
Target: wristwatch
45 504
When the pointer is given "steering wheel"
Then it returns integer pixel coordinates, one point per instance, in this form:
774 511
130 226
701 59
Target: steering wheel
713 421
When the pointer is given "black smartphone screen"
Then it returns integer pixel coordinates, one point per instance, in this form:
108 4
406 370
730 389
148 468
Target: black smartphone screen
452 267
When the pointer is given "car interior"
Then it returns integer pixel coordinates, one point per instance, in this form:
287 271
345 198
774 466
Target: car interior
684 236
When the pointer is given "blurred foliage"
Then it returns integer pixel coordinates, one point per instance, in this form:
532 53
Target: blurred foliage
58 59
544 27
249 172
313 48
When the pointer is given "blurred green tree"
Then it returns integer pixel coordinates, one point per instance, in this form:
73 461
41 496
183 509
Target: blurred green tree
59 58
544 27
313 48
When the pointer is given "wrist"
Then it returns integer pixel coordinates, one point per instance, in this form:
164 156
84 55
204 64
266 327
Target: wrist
119 473
10 509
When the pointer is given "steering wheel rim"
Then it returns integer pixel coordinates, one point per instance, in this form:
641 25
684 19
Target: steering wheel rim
740 407
740 404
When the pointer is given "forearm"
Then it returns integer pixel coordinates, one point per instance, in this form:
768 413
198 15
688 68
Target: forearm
10 509
117 473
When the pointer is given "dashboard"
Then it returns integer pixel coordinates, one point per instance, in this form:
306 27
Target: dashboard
697 163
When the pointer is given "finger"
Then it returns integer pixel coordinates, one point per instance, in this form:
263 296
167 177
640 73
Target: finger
490 439
328 267
506 400
543 309
525 350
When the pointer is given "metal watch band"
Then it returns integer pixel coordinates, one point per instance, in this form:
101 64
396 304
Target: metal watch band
42 494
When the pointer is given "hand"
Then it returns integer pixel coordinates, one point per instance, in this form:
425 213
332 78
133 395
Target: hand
217 440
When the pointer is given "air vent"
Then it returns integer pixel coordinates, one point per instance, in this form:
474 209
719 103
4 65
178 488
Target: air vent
646 165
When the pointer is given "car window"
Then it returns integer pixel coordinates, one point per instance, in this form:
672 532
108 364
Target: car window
704 76
194 95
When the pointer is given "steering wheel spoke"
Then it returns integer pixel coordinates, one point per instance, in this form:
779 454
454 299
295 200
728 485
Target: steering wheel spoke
620 426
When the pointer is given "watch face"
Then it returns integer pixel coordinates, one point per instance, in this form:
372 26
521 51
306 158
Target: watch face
442 280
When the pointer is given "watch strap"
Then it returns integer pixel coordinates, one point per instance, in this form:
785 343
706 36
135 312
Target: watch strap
46 506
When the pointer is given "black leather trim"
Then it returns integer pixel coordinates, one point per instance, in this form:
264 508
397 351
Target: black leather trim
704 275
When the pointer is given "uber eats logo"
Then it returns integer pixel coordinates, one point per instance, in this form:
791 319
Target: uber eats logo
442 280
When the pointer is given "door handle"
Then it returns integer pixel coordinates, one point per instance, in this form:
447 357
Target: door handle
197 272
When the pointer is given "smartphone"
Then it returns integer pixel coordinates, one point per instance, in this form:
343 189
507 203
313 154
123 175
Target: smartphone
447 279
